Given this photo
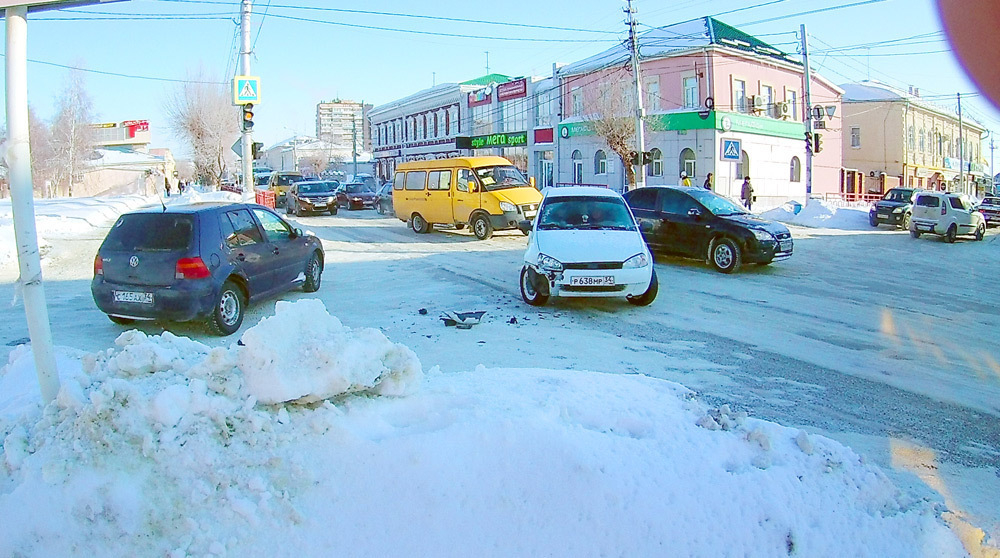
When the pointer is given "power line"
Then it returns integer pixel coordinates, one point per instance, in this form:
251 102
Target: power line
116 74
810 12
261 26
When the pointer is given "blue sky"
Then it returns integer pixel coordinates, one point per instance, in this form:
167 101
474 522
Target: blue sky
303 62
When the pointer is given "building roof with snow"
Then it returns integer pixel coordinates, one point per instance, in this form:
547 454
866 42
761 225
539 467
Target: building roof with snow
875 91
680 37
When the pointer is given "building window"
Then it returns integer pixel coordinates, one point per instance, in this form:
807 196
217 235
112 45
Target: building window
940 142
447 123
687 162
767 92
923 140
691 99
856 137
576 97
743 167
740 95
795 170
792 98
577 158
656 166
652 87
435 129
911 141
600 162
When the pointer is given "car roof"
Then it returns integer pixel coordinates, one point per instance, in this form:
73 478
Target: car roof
673 187
580 191
191 208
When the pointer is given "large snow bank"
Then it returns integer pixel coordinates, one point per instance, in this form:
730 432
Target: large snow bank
157 447
302 352
821 214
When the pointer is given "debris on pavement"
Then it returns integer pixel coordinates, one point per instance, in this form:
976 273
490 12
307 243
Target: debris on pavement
462 320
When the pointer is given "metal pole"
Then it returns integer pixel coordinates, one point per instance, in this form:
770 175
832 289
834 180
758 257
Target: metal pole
807 77
354 144
640 173
249 183
22 204
961 149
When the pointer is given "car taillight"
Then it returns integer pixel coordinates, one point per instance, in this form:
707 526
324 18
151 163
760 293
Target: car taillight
191 268
98 266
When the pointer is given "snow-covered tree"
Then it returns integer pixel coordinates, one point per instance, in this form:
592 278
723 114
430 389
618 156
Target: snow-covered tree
71 140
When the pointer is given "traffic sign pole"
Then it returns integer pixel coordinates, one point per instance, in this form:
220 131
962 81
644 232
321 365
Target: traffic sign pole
807 76
247 139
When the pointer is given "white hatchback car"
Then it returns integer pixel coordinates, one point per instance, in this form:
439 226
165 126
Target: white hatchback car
947 214
585 243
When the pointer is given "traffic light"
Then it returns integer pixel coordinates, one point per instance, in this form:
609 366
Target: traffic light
255 148
635 159
809 142
647 157
247 117
818 143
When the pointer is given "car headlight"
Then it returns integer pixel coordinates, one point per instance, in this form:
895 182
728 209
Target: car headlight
638 260
507 206
898 210
548 263
763 235
331 199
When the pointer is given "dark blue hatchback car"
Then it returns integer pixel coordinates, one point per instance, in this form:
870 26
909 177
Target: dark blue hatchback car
201 261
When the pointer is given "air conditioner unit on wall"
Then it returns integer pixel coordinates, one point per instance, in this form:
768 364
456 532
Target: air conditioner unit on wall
784 110
757 102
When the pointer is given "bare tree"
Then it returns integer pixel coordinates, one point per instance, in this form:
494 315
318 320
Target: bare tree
71 136
202 114
612 117
42 159
314 164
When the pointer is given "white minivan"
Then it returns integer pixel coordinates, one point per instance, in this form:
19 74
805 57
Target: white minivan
585 243
947 214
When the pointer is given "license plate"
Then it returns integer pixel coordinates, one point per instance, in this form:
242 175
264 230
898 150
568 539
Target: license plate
928 228
883 216
785 245
129 296
606 281
319 206
529 214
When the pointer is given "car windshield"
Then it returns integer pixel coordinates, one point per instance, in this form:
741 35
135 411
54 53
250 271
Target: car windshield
585 213
500 177
162 232
314 187
356 188
287 179
991 201
719 205
898 195
263 179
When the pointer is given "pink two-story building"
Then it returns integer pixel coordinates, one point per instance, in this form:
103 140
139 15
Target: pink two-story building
716 100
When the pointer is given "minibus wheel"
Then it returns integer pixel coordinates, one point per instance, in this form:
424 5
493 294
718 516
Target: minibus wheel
419 224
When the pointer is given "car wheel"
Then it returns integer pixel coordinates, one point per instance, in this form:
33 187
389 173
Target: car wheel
914 233
529 293
980 231
725 255
482 227
227 316
333 210
872 220
647 298
905 223
314 274
418 224
120 320
952 234
379 209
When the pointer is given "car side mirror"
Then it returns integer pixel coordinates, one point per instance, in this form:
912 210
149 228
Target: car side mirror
645 227
295 233
524 225
694 212
531 180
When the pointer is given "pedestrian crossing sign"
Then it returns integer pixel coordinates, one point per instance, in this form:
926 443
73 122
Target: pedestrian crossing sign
246 90
731 150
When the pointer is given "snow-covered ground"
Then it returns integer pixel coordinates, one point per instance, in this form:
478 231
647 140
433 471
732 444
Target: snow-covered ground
162 445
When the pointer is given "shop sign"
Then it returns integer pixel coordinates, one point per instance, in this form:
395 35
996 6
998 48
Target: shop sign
512 90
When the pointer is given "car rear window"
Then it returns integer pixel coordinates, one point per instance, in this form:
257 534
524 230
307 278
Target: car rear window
151 232
928 201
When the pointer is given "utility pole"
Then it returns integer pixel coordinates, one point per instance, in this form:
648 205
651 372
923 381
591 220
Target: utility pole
354 144
807 76
993 172
487 62
640 147
961 149
22 203
247 137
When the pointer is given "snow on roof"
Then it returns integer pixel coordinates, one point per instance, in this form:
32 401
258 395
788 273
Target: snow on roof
666 41
875 91
117 157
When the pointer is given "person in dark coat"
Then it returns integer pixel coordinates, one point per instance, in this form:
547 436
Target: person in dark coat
708 182
746 193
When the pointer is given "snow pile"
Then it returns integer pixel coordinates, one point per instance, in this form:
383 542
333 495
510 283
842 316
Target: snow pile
820 214
302 352
157 448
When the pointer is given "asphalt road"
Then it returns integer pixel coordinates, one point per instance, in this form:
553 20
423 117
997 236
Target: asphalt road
884 342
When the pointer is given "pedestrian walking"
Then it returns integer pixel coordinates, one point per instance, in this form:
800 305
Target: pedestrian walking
166 186
708 182
746 193
685 181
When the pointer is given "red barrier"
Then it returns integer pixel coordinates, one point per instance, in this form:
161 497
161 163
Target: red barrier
265 198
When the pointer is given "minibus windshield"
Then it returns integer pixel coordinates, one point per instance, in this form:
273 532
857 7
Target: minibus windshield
500 177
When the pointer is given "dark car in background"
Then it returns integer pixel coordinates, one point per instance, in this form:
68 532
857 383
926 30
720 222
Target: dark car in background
990 208
355 195
312 196
895 208
202 261
383 199
698 223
